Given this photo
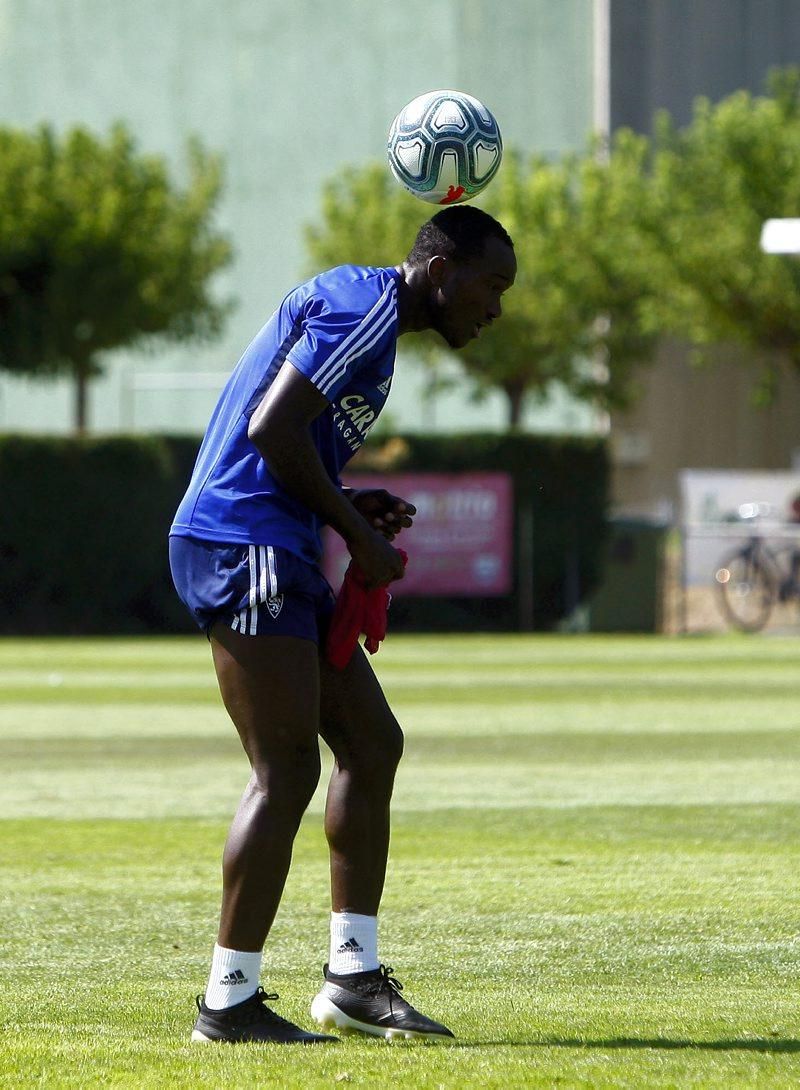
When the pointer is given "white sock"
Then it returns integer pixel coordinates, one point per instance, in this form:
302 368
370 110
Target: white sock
233 978
354 943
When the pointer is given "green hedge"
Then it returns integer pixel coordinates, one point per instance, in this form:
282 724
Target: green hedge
84 522
83 533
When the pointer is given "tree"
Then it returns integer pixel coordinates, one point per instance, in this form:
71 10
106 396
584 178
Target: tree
100 250
709 190
576 314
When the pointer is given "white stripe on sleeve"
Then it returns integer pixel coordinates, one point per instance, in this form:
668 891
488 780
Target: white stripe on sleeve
362 331
377 332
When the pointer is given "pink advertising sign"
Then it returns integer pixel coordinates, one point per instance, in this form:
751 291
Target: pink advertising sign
461 540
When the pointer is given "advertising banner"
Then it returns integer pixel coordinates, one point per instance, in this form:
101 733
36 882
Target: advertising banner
461 543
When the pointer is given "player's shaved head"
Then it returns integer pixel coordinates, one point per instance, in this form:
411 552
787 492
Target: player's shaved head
459 232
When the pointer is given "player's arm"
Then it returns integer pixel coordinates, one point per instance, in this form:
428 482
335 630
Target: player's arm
280 430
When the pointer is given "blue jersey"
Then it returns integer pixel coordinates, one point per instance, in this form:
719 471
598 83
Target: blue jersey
340 331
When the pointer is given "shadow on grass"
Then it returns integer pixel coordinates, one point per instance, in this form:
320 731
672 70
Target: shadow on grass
741 1044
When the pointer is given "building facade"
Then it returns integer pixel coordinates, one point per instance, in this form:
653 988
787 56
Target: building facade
287 94
663 54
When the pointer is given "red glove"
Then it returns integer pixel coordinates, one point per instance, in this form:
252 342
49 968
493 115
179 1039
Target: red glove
358 609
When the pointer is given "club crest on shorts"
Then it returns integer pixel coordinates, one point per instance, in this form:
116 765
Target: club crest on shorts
275 605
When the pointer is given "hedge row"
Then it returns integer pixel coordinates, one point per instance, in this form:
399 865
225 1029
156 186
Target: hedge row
83 527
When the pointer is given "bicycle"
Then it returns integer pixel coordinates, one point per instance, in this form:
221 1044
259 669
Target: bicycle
755 577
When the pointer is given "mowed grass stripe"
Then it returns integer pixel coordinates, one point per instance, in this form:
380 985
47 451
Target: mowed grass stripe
488 671
466 694
50 719
422 652
541 747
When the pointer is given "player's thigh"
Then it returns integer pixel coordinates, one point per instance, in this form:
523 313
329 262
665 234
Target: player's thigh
271 688
356 721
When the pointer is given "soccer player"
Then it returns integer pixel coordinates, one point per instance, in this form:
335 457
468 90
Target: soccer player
245 552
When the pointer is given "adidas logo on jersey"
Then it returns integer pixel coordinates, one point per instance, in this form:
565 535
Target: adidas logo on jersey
384 386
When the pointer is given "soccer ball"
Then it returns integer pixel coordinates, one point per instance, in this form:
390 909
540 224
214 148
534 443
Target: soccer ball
444 147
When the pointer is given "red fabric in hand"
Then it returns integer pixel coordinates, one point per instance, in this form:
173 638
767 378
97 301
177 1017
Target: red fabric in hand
358 609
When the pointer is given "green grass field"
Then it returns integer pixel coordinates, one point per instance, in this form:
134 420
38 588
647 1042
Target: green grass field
594 879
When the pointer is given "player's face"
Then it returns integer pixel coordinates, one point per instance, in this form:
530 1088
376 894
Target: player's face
468 293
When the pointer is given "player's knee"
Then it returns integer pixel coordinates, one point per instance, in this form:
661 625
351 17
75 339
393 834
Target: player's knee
393 743
290 781
370 749
380 756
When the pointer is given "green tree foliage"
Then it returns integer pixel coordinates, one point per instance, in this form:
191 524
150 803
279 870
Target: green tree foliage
100 250
710 187
576 314
365 218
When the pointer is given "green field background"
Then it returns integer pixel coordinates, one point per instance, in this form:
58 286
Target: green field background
594 874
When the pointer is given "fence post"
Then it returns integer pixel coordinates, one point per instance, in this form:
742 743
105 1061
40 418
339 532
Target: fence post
525 562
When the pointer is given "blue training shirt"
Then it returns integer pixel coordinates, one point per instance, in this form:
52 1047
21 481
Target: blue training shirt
340 331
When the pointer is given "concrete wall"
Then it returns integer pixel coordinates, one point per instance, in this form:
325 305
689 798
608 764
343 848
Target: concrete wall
691 417
288 93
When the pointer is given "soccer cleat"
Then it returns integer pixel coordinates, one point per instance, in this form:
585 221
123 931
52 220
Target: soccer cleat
250 1020
371 1003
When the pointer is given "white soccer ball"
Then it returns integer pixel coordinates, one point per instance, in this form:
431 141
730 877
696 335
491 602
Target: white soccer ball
445 147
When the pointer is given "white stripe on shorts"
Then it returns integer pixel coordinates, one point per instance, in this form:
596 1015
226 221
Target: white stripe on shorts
253 591
263 570
262 585
273 572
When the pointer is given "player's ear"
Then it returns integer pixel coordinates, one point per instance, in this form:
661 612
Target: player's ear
437 270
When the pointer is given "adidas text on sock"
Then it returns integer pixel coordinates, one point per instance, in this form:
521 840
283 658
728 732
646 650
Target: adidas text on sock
233 978
354 943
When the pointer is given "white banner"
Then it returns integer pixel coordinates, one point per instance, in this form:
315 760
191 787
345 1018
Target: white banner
722 508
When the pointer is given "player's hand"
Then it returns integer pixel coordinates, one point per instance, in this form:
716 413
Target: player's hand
378 560
384 512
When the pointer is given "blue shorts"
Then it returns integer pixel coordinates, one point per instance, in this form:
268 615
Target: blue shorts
257 590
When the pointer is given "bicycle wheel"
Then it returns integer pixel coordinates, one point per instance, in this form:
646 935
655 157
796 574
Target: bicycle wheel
747 591
787 568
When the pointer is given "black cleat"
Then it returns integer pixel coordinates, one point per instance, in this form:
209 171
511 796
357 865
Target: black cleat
371 1003
250 1020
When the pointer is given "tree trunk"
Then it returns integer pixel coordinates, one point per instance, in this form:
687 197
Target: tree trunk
516 400
82 374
